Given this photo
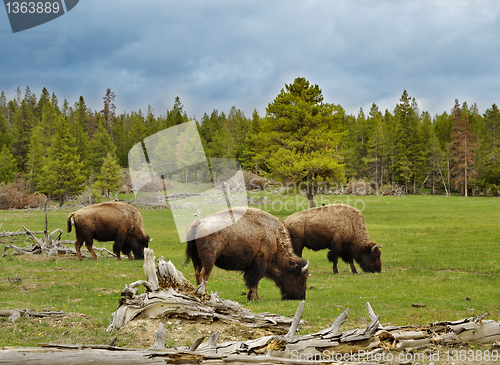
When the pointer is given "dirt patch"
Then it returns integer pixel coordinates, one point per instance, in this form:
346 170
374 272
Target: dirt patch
180 332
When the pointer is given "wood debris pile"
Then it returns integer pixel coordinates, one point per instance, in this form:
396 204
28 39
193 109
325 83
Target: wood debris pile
50 244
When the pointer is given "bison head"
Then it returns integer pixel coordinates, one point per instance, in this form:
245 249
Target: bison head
137 247
293 282
369 259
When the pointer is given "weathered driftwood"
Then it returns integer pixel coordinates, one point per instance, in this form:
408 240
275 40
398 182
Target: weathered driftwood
17 233
48 245
14 314
169 294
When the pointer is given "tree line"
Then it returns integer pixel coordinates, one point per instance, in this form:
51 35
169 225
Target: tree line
60 148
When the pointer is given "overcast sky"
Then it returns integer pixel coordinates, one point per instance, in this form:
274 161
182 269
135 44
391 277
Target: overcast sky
215 54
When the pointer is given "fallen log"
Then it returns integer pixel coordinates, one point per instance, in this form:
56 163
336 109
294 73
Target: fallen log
14 314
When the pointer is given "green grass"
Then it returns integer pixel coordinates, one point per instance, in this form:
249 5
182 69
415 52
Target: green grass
440 251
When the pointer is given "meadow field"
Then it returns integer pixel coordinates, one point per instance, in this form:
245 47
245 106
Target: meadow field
441 251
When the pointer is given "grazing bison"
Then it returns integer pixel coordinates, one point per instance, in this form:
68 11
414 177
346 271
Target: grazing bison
257 244
118 222
339 228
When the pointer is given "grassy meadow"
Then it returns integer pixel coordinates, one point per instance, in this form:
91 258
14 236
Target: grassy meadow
441 251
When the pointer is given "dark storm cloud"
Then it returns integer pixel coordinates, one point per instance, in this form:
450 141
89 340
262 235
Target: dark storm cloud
219 53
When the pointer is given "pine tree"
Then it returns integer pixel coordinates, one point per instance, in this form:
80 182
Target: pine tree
100 146
109 110
3 104
490 147
8 166
39 143
55 103
5 136
62 172
79 128
301 136
110 175
407 141
177 115
137 130
44 98
252 145
120 139
443 126
436 160
356 145
462 149
375 146
23 123
389 127
163 154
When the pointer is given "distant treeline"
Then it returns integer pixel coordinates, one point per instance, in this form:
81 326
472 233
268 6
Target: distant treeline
457 150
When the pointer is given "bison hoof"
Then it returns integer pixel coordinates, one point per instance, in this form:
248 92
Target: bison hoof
252 295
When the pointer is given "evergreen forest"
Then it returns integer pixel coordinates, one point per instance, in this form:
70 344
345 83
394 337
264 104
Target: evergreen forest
60 148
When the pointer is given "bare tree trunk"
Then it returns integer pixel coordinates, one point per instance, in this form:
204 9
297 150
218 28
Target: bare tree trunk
310 195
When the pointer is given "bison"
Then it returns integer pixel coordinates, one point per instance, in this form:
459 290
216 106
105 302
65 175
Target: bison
112 221
339 228
256 243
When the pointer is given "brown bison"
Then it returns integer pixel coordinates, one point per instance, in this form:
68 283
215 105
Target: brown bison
339 228
257 244
118 222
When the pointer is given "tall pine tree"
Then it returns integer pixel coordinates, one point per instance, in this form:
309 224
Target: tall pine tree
109 176
301 136
62 171
7 165
462 149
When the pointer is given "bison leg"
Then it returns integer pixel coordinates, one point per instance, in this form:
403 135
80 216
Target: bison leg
204 269
78 245
88 244
353 268
334 258
118 246
252 277
204 274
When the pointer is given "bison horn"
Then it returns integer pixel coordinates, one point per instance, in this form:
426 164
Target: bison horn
150 240
374 247
304 269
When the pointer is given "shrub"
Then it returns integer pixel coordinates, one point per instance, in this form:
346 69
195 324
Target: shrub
15 196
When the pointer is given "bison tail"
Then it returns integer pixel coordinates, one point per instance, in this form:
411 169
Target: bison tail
191 251
69 221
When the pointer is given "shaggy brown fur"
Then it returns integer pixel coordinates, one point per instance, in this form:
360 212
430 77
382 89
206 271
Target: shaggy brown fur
112 221
257 244
339 228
